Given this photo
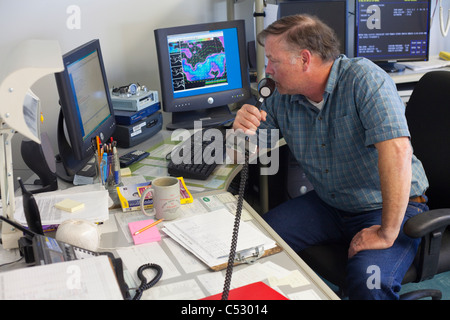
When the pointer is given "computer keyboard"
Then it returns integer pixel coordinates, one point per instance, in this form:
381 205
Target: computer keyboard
196 158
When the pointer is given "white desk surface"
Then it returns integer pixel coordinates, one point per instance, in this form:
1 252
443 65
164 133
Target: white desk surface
198 281
195 281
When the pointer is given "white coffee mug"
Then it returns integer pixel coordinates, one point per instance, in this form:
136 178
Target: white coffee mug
166 198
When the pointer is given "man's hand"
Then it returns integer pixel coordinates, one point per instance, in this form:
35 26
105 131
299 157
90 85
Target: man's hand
371 238
248 118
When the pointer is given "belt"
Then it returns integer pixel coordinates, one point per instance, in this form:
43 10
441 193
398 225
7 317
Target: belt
419 199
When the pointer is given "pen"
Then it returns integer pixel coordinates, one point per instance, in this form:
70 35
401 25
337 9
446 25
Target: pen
116 165
148 227
105 166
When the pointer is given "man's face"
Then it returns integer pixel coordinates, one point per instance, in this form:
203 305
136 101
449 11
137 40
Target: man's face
283 66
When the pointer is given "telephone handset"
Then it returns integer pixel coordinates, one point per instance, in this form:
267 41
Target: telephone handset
266 87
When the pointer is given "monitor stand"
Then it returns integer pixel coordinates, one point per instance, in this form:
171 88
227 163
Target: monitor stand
391 67
211 117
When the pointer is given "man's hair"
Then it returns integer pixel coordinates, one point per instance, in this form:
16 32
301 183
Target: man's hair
304 31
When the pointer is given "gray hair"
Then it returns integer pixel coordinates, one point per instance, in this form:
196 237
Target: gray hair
304 31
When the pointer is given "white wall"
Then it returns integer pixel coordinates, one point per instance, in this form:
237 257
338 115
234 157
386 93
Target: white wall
437 41
125 30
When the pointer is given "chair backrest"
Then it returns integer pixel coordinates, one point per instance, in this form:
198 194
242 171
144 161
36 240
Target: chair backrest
428 115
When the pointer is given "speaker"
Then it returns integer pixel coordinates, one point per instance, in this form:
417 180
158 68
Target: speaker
41 160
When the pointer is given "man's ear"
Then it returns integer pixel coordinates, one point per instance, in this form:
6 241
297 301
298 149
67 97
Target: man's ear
305 59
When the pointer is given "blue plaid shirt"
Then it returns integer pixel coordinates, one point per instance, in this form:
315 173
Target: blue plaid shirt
335 145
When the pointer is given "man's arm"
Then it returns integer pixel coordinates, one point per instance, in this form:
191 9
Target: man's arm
394 166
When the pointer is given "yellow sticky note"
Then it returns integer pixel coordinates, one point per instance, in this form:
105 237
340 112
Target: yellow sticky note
125 172
69 205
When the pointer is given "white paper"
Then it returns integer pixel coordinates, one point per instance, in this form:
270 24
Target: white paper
87 279
95 206
208 236
183 290
136 256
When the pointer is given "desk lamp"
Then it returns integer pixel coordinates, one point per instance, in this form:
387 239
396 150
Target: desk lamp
26 63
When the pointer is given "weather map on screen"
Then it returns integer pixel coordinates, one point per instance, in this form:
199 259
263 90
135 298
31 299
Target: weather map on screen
197 60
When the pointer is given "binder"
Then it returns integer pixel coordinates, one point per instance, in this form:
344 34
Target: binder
253 291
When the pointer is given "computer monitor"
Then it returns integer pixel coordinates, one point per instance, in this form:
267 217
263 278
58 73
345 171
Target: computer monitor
331 12
86 109
202 69
391 31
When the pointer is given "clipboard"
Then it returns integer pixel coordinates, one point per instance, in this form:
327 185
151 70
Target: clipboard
207 236
258 252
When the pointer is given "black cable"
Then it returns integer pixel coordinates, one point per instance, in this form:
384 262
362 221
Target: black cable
12 262
237 219
144 285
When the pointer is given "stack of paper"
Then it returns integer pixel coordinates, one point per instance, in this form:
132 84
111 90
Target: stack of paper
94 197
86 279
432 63
208 236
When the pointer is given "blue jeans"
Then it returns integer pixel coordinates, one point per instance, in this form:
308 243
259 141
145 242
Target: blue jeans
371 274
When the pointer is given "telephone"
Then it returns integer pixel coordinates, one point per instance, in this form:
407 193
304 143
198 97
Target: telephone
41 249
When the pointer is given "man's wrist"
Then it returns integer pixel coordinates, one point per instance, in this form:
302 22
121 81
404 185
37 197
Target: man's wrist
389 235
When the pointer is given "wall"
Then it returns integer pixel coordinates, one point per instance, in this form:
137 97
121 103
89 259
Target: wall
125 30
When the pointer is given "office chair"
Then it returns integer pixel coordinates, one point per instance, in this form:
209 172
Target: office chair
428 116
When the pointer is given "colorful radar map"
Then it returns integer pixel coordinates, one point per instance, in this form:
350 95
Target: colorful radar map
198 62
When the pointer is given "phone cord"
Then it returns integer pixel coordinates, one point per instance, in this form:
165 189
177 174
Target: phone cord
237 219
144 285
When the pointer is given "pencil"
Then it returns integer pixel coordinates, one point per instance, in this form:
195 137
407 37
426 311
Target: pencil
97 139
148 227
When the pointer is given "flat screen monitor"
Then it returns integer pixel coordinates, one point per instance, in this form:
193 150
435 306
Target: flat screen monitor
86 109
331 12
391 31
203 68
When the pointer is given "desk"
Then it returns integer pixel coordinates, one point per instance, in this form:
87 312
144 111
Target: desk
411 76
288 259
185 276
190 279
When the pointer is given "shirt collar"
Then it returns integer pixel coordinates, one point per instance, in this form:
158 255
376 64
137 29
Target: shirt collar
334 74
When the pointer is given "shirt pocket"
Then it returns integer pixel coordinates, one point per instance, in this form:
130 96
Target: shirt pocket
347 137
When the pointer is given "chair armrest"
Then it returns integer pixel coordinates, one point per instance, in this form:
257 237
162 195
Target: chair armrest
430 227
427 222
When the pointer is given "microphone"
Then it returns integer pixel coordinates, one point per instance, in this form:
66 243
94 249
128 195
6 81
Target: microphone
265 88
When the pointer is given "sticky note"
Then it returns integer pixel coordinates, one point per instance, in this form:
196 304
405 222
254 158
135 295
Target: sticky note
69 205
149 235
124 172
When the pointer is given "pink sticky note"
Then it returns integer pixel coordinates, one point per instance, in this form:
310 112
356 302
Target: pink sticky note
148 235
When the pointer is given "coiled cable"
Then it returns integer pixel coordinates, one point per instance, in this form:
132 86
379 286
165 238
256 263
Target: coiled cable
144 284
237 219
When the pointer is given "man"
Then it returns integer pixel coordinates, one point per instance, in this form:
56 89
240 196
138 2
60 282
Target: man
344 123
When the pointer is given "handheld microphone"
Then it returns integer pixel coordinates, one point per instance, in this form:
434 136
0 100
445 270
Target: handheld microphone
265 88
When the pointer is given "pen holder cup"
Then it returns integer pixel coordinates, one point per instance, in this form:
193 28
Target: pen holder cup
108 177
165 192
